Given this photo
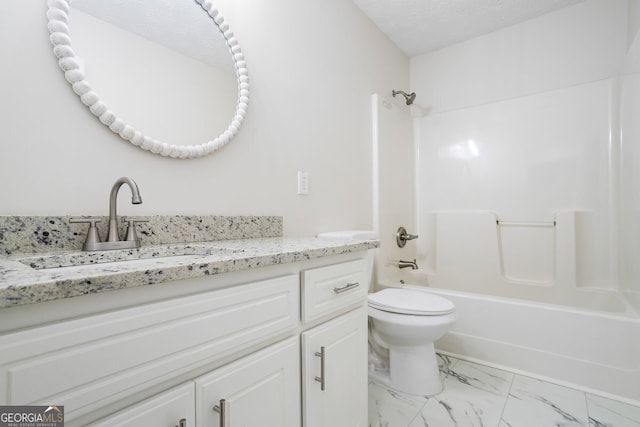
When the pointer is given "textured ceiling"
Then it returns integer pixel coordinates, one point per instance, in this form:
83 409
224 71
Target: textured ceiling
421 26
415 26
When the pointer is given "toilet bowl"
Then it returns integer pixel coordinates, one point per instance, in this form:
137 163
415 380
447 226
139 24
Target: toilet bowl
403 324
406 322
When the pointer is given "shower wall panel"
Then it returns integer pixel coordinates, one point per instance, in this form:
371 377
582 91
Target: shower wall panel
630 186
525 160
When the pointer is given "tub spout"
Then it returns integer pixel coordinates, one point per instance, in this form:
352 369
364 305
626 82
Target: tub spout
405 264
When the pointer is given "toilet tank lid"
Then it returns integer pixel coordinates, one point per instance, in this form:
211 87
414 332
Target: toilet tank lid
349 234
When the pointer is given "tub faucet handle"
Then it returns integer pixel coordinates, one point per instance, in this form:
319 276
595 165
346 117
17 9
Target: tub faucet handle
402 236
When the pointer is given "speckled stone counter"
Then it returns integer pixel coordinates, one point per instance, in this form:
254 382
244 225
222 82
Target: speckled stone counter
20 234
31 274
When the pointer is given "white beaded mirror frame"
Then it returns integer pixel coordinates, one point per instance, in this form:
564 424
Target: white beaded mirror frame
58 16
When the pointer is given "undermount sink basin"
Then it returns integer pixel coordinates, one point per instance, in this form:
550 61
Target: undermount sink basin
79 258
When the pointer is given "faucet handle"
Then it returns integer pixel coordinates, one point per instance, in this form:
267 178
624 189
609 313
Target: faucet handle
92 235
131 228
402 236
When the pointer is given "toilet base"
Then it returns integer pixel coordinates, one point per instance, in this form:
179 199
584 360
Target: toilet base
412 371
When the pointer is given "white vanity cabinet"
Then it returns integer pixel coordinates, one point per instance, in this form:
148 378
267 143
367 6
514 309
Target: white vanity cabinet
282 351
334 353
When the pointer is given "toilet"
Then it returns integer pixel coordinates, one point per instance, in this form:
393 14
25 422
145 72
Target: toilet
404 322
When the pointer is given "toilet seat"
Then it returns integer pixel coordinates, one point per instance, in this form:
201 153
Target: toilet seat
409 301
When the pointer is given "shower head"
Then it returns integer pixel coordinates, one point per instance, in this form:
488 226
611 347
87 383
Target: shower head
409 98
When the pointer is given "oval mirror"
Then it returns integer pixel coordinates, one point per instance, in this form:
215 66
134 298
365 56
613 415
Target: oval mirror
186 82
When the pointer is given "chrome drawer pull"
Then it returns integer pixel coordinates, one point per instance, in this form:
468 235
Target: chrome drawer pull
222 410
183 423
320 379
346 287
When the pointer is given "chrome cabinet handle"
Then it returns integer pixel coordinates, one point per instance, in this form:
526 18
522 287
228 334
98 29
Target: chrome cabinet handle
345 288
320 379
222 410
182 423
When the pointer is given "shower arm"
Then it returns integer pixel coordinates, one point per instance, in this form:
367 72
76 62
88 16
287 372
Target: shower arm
409 98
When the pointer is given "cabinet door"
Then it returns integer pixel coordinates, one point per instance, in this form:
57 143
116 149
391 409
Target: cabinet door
334 359
262 389
172 408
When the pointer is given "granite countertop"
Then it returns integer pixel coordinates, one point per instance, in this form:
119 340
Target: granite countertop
27 278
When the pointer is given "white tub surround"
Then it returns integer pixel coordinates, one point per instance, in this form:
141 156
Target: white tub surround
539 261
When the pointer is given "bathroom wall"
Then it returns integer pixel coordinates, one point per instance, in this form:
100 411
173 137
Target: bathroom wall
524 127
313 67
577 44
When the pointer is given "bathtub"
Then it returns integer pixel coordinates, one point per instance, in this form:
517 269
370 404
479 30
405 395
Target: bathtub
591 349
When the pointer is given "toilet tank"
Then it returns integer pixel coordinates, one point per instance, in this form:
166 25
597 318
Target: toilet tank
359 235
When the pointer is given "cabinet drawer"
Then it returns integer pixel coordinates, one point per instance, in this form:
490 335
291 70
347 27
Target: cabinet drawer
331 288
90 362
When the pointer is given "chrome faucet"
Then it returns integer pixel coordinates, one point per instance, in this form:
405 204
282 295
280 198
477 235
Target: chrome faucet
113 235
404 264
93 242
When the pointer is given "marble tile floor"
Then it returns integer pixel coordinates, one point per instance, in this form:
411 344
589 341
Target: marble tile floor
476 395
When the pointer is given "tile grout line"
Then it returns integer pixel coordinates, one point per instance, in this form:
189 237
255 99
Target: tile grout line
506 399
418 413
586 406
